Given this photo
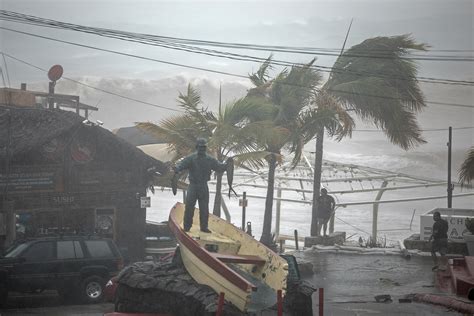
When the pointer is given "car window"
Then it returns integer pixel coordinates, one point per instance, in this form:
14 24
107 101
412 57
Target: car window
39 251
78 249
99 248
66 250
15 251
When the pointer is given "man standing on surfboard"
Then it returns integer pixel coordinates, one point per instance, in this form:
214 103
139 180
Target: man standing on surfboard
200 166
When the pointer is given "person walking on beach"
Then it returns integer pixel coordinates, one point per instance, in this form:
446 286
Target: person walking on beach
326 205
440 240
200 166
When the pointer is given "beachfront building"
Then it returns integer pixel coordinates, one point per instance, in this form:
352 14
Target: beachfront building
62 174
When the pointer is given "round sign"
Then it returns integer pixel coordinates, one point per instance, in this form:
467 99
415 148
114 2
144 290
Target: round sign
55 72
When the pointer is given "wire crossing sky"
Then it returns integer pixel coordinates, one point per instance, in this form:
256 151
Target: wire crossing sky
148 51
173 43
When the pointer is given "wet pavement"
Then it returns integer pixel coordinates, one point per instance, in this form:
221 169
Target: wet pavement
351 281
48 304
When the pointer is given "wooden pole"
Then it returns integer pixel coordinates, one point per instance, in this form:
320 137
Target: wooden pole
279 303
321 301
450 187
244 204
375 212
51 94
296 239
220 304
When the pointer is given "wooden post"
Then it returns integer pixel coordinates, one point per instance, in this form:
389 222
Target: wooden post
375 212
296 239
321 301
278 212
279 303
51 94
220 304
244 204
226 210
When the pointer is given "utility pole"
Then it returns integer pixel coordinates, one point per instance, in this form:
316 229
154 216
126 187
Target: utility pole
51 94
450 186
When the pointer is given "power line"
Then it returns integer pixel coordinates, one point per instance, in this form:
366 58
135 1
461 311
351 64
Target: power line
126 54
421 130
423 79
155 40
219 72
38 21
93 87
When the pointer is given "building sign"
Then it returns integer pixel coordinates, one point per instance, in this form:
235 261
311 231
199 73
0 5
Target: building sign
145 201
82 151
93 179
27 179
63 199
456 219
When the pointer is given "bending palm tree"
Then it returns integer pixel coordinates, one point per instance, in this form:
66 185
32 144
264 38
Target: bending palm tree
291 94
228 133
374 81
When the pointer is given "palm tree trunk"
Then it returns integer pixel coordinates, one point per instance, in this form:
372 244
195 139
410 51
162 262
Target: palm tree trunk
318 166
266 238
217 199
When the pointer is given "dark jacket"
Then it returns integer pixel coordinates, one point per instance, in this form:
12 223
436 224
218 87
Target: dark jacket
440 229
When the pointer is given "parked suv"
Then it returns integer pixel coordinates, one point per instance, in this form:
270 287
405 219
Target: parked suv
76 266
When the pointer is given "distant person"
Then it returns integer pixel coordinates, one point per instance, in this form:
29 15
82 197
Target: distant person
326 205
200 166
440 240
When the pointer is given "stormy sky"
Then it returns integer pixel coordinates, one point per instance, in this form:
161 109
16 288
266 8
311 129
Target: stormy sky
444 25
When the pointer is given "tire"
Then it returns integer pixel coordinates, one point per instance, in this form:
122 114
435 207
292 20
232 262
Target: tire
92 289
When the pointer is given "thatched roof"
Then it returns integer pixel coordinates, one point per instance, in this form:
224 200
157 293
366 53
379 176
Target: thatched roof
31 128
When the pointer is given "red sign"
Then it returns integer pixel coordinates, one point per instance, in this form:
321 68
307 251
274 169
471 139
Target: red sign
55 72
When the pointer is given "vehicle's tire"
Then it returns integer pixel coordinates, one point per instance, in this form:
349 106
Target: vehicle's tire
92 289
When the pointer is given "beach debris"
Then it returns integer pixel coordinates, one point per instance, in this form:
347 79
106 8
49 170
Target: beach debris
383 298
389 281
404 300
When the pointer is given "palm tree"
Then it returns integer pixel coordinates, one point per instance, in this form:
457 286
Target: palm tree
376 82
291 93
230 132
466 172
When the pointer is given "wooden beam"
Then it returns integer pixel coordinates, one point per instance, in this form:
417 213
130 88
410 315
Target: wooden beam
226 258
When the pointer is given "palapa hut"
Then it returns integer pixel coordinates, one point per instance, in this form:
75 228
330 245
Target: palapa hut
61 174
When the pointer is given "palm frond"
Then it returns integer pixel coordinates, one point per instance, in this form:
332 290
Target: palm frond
191 103
466 172
398 122
292 90
260 77
380 58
